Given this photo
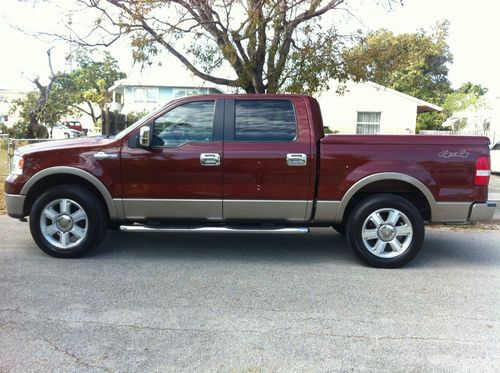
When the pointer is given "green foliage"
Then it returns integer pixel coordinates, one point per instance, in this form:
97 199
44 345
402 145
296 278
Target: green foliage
412 63
473 89
415 64
270 45
315 60
134 116
17 131
46 114
88 83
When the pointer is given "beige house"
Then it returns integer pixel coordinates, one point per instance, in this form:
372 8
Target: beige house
369 108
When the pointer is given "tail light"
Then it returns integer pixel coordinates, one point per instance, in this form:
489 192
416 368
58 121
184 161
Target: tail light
482 176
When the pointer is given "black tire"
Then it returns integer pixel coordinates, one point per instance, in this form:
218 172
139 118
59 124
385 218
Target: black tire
383 251
95 224
339 228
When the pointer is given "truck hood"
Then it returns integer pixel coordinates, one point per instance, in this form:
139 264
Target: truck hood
81 142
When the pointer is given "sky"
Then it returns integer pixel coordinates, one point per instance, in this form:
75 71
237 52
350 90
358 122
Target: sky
473 38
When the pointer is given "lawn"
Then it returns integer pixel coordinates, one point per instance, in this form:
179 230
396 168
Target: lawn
4 170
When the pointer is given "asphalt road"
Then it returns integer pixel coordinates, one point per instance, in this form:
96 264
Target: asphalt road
243 303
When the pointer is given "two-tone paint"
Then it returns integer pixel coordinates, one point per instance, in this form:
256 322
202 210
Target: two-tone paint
254 181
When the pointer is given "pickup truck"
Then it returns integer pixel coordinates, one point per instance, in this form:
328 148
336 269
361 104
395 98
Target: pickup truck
254 164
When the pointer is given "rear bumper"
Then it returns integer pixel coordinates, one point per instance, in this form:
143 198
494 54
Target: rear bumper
15 205
482 211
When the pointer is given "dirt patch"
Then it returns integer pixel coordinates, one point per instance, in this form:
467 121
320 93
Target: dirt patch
493 225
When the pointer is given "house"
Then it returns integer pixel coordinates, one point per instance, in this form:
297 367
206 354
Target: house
144 95
369 108
480 119
6 99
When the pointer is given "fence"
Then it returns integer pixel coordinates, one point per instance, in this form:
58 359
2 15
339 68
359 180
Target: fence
113 122
493 136
8 147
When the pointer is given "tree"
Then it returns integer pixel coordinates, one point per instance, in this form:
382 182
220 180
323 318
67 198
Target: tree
412 63
270 45
474 89
65 93
39 107
88 84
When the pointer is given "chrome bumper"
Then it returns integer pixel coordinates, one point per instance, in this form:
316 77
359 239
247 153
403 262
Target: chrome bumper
482 211
15 205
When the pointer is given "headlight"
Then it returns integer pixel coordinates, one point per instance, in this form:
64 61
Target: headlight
16 167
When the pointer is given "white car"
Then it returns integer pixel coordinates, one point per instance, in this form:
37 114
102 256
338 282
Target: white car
495 158
62 132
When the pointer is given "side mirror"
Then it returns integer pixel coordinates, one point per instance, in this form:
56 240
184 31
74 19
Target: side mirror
145 137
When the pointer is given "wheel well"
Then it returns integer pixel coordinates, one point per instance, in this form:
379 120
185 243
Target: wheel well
400 188
50 181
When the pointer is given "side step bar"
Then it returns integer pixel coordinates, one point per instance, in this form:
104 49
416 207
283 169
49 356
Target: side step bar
180 229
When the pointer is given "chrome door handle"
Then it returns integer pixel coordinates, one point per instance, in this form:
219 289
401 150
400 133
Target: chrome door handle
210 159
296 159
102 155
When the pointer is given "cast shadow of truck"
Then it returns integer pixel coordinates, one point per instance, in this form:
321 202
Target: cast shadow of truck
441 248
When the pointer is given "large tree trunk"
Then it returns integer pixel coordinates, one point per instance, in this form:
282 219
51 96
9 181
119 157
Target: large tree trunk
32 128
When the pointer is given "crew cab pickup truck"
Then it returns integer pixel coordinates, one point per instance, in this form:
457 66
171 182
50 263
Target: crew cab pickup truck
254 164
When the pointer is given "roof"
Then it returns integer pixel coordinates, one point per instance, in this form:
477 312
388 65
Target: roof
172 81
422 106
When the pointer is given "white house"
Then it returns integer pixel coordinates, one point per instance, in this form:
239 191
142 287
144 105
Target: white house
481 119
369 108
6 99
139 95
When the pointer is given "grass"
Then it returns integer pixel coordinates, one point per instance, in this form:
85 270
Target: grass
4 170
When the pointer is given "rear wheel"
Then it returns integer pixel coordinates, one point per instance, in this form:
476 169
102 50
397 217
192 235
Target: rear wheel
66 221
385 231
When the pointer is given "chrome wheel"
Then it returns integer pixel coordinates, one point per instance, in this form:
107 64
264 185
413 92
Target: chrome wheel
64 223
387 233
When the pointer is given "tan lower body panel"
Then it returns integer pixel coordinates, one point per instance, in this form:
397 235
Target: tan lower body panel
451 212
215 210
209 209
285 210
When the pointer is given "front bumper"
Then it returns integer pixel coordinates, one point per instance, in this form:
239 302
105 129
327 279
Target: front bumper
15 205
482 211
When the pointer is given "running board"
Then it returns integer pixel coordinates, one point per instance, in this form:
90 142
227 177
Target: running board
176 229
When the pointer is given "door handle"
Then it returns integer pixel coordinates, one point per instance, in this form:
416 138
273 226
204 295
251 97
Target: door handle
210 159
102 155
296 159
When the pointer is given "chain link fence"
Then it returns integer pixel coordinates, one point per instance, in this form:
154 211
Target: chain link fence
8 147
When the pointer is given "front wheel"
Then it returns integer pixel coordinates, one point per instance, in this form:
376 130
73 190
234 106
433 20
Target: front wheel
66 221
385 231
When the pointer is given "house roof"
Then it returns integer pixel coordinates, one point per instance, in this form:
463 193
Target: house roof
172 81
422 106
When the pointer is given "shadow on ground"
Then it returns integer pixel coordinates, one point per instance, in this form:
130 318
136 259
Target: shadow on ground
442 247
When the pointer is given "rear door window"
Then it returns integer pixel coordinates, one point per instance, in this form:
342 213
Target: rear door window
264 120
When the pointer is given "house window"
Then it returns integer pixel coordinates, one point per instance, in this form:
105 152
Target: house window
182 92
146 94
368 123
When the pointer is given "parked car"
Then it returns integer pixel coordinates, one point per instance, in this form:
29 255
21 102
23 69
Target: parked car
253 164
495 158
73 124
62 132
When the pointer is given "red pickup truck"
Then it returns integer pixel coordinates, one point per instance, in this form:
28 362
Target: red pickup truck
249 163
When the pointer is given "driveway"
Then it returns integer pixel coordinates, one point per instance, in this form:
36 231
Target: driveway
242 303
494 193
